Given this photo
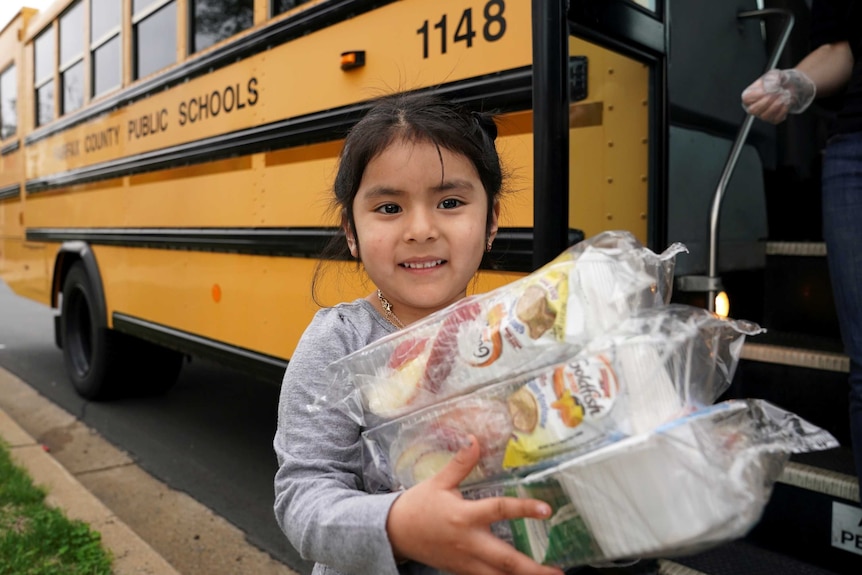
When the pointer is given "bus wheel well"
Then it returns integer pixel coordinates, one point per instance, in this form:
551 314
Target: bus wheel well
68 255
102 363
63 263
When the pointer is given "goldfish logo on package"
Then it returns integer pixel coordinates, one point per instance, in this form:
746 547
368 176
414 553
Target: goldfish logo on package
490 341
559 410
514 323
567 404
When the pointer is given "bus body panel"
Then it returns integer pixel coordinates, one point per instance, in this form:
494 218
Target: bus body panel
25 268
608 145
272 86
84 181
257 303
11 169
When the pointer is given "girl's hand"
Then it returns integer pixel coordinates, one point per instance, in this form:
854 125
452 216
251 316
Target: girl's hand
433 524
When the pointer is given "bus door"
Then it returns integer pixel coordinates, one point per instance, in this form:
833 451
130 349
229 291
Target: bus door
715 152
635 119
599 120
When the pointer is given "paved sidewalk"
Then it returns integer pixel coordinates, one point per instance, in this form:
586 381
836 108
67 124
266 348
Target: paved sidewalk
150 528
132 555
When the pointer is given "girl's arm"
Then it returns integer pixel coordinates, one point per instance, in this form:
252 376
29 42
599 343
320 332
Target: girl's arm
319 499
432 524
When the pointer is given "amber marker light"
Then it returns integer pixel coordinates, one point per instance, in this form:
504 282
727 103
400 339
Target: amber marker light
352 59
722 305
216 292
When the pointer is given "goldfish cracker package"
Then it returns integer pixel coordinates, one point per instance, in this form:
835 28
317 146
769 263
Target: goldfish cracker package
693 483
532 322
657 365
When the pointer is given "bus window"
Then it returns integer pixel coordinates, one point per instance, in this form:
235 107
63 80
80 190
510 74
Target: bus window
105 46
648 4
44 76
215 20
139 6
72 59
8 103
279 6
155 32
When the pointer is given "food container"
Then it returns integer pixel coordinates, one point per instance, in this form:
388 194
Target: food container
693 483
533 322
659 364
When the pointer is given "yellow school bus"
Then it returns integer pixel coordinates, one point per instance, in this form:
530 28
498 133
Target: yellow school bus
166 170
166 166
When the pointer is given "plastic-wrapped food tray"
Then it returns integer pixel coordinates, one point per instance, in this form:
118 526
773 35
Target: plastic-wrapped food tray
534 321
655 366
691 484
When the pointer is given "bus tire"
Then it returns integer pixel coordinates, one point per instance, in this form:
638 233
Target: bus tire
102 363
88 350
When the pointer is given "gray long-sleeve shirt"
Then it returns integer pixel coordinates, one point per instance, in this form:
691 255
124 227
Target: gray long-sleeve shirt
320 499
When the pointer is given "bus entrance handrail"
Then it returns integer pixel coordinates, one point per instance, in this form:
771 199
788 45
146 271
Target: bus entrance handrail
713 281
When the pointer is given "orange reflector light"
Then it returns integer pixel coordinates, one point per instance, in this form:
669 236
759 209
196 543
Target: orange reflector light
352 59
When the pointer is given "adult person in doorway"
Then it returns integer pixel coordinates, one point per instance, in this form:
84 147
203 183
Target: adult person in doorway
832 68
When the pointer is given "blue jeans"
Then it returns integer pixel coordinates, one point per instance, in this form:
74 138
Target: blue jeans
842 230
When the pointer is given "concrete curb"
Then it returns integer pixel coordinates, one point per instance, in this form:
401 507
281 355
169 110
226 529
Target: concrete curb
132 555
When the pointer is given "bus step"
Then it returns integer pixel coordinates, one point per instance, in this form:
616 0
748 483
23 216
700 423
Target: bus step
810 383
798 291
813 517
740 557
796 249
795 356
833 475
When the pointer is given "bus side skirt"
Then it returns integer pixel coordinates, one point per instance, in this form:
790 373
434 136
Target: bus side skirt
267 367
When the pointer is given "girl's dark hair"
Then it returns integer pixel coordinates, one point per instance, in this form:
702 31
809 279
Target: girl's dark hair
412 118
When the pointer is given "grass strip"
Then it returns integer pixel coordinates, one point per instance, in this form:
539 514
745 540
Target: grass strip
37 539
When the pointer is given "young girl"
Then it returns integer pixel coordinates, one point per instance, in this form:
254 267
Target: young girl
418 188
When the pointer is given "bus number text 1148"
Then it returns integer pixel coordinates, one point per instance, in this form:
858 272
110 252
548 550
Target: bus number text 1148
493 27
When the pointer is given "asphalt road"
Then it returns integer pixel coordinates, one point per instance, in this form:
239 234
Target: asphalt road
210 436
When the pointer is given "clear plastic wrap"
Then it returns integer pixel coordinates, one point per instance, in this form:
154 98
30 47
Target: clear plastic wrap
658 364
693 483
534 321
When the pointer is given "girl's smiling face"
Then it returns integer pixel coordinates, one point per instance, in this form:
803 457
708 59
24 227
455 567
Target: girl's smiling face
421 226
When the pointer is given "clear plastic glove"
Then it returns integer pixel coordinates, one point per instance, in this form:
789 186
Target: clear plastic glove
778 93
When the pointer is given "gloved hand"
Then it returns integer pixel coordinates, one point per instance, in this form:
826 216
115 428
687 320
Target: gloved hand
778 93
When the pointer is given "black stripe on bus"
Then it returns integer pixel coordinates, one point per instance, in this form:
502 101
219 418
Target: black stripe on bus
268 367
513 247
309 20
509 91
604 22
295 242
10 147
10 191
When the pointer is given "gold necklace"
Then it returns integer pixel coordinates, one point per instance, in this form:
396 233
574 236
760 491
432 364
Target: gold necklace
387 311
